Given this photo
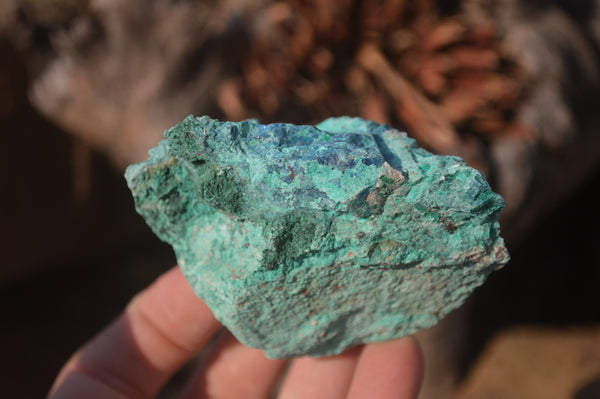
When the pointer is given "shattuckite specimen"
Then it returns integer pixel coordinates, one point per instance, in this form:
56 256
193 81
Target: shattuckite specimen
312 239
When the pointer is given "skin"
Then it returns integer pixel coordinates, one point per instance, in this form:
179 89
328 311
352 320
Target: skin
167 324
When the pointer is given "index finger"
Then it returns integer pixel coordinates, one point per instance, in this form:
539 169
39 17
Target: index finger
161 328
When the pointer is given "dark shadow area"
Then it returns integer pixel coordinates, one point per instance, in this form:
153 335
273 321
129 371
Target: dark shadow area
590 390
580 10
552 279
46 318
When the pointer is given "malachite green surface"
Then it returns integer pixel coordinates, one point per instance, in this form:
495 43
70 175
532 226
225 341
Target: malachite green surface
312 239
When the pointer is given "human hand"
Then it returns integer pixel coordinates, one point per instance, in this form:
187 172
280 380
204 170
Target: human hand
167 324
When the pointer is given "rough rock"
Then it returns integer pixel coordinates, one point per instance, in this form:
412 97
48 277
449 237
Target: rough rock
312 239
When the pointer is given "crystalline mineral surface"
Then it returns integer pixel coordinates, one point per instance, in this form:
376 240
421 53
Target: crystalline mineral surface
312 239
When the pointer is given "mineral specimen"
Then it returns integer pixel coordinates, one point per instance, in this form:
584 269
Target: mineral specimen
312 239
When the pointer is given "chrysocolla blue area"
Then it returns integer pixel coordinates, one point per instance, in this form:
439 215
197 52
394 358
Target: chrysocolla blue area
312 239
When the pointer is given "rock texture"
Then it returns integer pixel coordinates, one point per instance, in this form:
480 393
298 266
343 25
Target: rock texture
311 239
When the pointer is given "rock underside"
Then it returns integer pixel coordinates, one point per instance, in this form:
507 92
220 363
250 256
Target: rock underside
312 239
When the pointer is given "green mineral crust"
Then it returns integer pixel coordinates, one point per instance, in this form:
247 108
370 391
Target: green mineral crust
312 239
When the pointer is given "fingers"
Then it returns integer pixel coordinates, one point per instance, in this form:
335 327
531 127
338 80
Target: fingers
167 324
233 370
391 369
161 328
320 378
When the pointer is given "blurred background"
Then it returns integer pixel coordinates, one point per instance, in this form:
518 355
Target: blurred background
512 86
